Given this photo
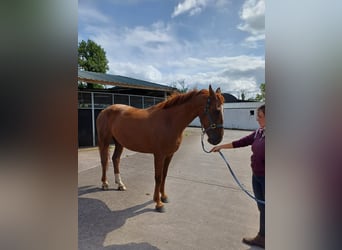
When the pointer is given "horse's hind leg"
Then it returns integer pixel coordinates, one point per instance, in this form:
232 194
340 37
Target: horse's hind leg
116 161
103 147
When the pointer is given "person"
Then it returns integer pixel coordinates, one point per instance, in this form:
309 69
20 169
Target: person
257 141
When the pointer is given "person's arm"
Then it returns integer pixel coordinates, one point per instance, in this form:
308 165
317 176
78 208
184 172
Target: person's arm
243 142
222 146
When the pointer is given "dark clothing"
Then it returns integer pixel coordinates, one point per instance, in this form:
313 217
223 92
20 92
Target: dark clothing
258 183
257 140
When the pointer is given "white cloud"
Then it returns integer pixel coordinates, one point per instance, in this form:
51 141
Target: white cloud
237 73
191 6
139 71
232 74
150 44
150 53
157 33
239 63
88 15
252 15
222 3
194 7
155 53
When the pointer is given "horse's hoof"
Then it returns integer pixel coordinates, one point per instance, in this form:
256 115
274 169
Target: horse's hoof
160 209
121 188
105 186
164 200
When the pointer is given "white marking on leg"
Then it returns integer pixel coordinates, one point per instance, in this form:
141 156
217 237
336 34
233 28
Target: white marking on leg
119 182
105 185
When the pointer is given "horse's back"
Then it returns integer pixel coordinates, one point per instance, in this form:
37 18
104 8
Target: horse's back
141 130
107 117
124 113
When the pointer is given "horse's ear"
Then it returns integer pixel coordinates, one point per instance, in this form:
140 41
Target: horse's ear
211 91
218 90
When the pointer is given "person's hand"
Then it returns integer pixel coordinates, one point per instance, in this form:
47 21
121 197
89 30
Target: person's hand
215 149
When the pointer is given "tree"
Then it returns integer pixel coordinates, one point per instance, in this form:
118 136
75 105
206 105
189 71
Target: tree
262 96
183 87
92 57
243 94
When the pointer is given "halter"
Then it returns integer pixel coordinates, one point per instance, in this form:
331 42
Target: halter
212 125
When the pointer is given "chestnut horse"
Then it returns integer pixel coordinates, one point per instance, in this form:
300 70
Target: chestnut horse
157 130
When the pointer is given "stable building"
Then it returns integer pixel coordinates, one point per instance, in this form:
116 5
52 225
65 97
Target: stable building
125 90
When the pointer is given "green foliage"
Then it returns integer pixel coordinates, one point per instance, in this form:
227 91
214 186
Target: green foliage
92 57
262 96
82 85
243 95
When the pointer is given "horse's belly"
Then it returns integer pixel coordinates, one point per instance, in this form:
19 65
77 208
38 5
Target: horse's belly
144 135
135 142
148 142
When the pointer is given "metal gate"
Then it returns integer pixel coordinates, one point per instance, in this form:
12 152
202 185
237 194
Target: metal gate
90 105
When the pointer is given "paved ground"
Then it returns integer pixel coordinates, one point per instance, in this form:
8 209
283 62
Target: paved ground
207 210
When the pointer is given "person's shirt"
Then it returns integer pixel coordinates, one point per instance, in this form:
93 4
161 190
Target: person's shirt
257 141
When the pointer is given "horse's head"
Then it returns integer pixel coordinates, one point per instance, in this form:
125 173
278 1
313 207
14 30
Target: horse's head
212 117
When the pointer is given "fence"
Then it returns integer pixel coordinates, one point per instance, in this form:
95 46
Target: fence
90 105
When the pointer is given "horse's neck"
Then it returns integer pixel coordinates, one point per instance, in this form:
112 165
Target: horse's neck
187 112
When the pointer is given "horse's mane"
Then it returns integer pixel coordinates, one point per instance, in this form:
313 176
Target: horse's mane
178 98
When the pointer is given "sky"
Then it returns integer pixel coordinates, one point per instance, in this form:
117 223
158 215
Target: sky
198 42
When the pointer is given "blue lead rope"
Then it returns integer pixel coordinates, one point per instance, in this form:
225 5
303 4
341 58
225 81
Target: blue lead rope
237 181
233 174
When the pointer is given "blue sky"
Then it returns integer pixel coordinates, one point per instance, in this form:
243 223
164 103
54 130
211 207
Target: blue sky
200 42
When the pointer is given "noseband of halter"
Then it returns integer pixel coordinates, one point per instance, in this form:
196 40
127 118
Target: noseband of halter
212 124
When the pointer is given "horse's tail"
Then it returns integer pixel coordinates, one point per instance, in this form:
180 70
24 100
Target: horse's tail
103 136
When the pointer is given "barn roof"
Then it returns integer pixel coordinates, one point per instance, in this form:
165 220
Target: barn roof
121 81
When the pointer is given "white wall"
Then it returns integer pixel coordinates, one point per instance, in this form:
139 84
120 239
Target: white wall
237 116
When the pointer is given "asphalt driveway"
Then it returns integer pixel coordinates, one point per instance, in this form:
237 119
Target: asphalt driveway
207 210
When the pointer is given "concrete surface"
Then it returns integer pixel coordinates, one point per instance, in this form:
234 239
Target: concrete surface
207 210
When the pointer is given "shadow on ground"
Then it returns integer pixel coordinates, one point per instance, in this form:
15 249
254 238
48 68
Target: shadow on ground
96 220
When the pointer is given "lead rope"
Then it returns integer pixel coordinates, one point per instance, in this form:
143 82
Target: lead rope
231 171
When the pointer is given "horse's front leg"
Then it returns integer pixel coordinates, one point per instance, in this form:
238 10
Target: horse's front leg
158 175
167 161
116 161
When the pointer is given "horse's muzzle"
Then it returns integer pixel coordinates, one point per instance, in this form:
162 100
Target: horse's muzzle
215 140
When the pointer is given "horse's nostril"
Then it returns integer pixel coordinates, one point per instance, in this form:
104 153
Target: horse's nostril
214 141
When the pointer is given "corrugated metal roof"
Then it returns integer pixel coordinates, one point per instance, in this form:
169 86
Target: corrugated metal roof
122 81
